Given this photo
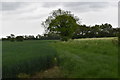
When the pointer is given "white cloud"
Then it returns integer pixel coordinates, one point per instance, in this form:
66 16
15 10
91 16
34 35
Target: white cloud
27 18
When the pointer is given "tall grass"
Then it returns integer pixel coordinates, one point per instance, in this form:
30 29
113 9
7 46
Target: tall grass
86 58
26 57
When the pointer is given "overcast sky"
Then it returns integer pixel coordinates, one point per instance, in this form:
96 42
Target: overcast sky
24 18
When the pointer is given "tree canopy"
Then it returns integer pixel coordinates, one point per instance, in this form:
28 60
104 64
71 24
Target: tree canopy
62 23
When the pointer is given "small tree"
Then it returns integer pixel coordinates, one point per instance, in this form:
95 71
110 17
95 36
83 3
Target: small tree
62 23
12 37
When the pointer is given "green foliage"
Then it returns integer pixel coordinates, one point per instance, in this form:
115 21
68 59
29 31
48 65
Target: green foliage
19 38
118 36
65 38
61 22
104 30
12 38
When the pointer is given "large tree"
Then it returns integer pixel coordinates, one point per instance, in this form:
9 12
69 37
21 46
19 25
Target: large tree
62 23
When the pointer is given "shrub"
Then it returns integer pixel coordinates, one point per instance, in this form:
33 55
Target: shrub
19 38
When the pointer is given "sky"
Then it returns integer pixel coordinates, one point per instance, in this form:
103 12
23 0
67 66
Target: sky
25 18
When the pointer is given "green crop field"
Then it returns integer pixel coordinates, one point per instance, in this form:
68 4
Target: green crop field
26 57
81 58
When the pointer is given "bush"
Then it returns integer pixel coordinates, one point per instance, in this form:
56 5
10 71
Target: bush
64 39
12 39
19 38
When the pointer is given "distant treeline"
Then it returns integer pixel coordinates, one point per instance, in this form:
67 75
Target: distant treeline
13 38
83 31
104 30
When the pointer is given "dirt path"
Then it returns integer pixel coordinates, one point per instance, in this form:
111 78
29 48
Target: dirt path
50 73
53 72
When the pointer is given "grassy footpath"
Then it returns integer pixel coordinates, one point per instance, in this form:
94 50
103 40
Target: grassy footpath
84 58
